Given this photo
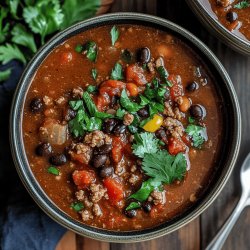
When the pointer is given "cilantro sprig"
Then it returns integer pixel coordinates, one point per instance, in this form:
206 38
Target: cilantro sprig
114 35
198 134
242 4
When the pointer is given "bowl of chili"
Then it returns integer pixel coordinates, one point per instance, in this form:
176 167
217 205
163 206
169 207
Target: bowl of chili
228 20
131 136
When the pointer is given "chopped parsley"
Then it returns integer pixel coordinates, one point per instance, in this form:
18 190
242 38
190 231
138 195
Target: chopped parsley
127 104
116 73
91 89
4 75
94 73
114 35
90 48
164 75
133 205
145 143
78 48
53 170
242 4
77 206
164 167
198 134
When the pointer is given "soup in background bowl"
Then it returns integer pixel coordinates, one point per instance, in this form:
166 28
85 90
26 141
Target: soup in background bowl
124 131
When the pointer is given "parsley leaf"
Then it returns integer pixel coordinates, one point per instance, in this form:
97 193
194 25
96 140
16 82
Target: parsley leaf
146 189
90 48
77 206
133 205
22 37
9 52
145 143
116 73
114 34
164 167
242 5
120 113
77 10
13 7
53 170
94 73
4 75
91 89
76 125
128 104
164 75
3 30
198 134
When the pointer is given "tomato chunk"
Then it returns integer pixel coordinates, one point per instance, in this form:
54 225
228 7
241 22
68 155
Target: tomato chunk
102 101
83 178
132 89
176 146
134 73
114 189
112 87
177 88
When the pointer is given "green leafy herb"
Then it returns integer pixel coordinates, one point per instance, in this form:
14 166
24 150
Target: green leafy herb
128 104
13 7
191 119
145 143
91 50
242 4
89 104
146 189
3 29
77 206
94 123
133 205
155 108
94 73
116 73
103 115
4 75
144 100
164 75
132 129
53 170
9 52
143 122
91 88
75 105
78 10
198 134
77 125
164 167
126 56
22 37
120 113
78 48
114 35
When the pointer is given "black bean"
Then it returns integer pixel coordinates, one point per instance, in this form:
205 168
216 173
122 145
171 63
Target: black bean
197 111
36 105
143 112
130 213
99 160
160 133
108 125
58 159
70 114
231 16
114 100
146 206
143 55
191 87
106 171
44 149
104 149
119 129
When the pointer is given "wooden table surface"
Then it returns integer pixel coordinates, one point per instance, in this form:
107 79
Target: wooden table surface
198 233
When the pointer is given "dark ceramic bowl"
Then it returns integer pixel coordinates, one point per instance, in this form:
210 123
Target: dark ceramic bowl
229 152
203 11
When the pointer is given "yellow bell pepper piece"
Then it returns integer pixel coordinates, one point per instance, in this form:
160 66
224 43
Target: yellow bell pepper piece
154 124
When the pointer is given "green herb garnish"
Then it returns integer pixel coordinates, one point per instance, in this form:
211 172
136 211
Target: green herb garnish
145 143
164 75
114 35
198 134
242 4
77 206
78 48
91 89
120 113
94 73
91 50
116 73
133 205
53 170
191 119
127 104
9 52
146 189
4 75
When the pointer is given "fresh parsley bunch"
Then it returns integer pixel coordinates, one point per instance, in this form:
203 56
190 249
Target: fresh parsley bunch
25 25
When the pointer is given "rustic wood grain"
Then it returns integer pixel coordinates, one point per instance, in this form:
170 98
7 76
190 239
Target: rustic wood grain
67 242
197 234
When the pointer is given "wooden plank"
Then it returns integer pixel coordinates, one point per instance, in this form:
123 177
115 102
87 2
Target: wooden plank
67 242
84 243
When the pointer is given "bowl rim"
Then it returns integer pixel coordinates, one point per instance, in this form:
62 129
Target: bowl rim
28 179
234 41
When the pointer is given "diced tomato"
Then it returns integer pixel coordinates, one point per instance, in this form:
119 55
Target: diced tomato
114 189
102 101
135 74
132 89
176 146
112 87
66 57
83 178
185 138
177 88
127 149
117 150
